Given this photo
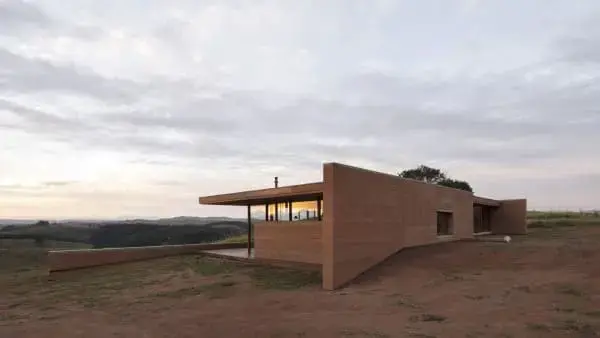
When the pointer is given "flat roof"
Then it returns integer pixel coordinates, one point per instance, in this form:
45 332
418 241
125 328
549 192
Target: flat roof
293 193
485 201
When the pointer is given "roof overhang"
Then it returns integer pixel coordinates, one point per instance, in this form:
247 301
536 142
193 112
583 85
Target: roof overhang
292 193
485 201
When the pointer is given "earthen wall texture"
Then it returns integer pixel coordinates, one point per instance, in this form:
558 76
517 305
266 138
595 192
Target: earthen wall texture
510 218
288 241
369 216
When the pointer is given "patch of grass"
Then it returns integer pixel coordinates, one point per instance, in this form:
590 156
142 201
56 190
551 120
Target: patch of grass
406 303
47 307
7 316
428 318
564 310
524 288
50 317
533 214
15 305
474 297
420 335
595 314
209 267
562 223
241 239
570 290
474 335
583 329
452 277
283 279
538 327
363 333
287 334
220 290
180 293
215 290
403 301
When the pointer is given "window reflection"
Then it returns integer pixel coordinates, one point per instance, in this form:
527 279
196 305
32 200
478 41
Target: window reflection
289 211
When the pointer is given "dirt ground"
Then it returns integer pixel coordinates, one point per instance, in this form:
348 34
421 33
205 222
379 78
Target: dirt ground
546 284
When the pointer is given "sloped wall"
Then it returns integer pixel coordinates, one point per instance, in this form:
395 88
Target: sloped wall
369 216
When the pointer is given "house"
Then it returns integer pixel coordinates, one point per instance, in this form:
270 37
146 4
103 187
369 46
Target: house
356 218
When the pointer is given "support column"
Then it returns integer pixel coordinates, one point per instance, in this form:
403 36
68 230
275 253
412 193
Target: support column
290 210
249 232
267 212
319 209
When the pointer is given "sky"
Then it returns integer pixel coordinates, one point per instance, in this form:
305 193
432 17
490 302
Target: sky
134 108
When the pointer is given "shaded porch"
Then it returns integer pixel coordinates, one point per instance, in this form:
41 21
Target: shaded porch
284 223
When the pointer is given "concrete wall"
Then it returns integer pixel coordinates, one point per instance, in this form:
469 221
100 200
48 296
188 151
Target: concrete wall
63 260
288 241
369 216
510 218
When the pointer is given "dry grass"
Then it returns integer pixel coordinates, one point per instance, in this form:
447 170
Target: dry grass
546 284
241 239
545 219
283 279
26 291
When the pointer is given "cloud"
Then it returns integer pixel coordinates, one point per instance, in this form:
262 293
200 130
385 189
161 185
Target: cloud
26 75
215 98
17 14
580 46
58 183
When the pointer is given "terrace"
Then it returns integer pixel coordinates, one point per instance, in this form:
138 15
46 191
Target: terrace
291 228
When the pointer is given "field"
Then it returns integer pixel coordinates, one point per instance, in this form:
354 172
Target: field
546 284
540 219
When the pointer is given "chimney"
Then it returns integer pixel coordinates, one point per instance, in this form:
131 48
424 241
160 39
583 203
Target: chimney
276 182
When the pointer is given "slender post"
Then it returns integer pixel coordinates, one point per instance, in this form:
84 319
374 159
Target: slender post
290 210
249 232
319 209
267 212
276 211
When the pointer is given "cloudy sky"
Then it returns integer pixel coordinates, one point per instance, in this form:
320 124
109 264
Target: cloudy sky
132 108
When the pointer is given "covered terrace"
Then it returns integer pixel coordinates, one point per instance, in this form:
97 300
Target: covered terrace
289 229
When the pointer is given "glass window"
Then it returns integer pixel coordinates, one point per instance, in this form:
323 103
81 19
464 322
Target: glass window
288 211
306 210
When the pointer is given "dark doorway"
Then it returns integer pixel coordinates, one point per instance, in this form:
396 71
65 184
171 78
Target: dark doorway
444 223
482 219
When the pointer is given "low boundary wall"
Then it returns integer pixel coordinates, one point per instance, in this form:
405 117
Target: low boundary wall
63 260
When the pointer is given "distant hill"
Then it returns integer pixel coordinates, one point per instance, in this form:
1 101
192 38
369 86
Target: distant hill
184 220
100 234
15 221
179 220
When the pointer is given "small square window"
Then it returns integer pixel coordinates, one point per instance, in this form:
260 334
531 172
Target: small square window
444 223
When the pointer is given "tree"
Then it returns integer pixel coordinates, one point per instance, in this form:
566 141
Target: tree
43 223
456 184
434 176
425 174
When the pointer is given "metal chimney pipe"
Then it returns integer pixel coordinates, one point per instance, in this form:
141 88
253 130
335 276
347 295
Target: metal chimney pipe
276 182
